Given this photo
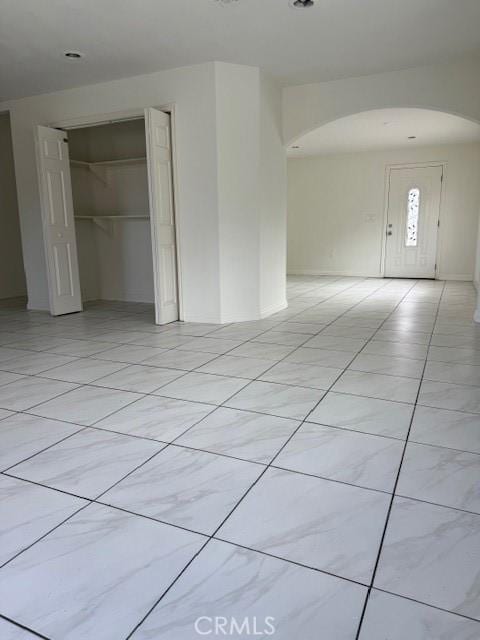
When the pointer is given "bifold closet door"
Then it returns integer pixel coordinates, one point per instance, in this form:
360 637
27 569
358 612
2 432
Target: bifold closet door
57 219
162 215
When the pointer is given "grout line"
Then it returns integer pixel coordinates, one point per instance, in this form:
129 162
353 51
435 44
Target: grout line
389 511
288 319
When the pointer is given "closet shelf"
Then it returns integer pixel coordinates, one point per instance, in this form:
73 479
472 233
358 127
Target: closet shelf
104 163
118 216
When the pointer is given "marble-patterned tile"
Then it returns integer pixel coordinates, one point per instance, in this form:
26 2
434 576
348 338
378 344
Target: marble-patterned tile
242 434
82 370
375 385
86 598
263 351
81 348
156 417
396 349
336 343
454 354
166 340
139 378
446 395
356 458
444 428
85 405
6 377
432 554
212 345
453 372
88 463
321 357
394 618
359 413
276 399
28 512
351 331
203 387
390 365
23 435
11 631
409 337
5 414
463 342
129 353
282 337
180 359
444 476
33 363
187 488
6 354
244 584
322 524
302 375
310 328
28 392
237 366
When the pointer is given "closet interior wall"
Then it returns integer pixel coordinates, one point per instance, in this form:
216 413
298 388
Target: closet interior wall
110 197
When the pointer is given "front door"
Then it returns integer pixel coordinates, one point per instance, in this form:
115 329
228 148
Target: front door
412 222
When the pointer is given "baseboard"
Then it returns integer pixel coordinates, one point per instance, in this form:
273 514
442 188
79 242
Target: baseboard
319 272
467 277
274 308
37 305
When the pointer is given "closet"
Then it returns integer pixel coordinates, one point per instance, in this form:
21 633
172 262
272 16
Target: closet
108 213
108 168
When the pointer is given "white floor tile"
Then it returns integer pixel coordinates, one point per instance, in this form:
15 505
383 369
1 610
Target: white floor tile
243 584
241 434
341 535
86 598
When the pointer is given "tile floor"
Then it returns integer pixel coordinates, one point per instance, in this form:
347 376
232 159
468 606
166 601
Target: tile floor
317 471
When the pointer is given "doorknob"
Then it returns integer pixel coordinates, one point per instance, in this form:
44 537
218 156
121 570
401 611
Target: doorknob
389 233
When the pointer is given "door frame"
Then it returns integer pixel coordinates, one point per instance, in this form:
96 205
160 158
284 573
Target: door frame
83 122
411 165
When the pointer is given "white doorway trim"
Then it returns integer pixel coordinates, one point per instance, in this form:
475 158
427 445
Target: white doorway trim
132 114
411 165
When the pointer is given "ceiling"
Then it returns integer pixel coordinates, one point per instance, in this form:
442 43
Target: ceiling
333 39
385 129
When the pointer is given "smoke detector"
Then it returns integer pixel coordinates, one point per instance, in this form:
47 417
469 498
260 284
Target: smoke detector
224 3
301 4
73 55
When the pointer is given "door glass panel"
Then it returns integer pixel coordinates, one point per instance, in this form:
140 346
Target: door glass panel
413 208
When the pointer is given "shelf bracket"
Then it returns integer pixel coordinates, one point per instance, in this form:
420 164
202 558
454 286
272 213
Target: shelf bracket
99 173
104 224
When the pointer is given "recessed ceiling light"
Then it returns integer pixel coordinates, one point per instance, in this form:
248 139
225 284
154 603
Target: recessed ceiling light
412 137
301 4
73 55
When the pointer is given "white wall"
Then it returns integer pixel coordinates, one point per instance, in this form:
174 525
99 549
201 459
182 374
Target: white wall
12 276
218 146
273 202
192 91
252 193
452 88
332 200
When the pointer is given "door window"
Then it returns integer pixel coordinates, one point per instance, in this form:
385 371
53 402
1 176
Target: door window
413 209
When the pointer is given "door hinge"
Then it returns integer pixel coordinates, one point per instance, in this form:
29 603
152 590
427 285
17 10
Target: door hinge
438 223
441 178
